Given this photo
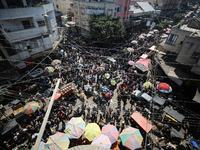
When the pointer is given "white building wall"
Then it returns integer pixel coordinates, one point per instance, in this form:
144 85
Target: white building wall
61 5
33 40
83 10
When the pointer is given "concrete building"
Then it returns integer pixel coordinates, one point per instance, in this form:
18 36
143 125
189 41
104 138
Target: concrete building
27 31
84 8
184 41
62 6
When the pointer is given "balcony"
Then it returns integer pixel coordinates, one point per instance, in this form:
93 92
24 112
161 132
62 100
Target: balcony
17 36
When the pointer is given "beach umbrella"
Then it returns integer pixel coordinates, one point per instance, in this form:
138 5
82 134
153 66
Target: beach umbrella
41 146
164 88
49 70
131 138
102 68
57 141
105 89
110 131
131 63
102 140
57 96
107 75
129 49
30 107
75 127
92 130
34 135
108 95
113 82
134 42
112 60
147 84
55 62
87 87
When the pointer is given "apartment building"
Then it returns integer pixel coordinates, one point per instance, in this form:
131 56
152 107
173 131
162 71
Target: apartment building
183 41
61 6
84 8
26 31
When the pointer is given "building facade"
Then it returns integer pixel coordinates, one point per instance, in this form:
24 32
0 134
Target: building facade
184 41
62 6
84 8
27 31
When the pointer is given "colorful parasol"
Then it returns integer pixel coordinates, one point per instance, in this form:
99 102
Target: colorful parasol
30 107
102 140
57 141
107 75
102 68
134 42
105 89
113 82
55 62
57 96
92 130
110 131
147 84
131 63
131 138
49 70
164 88
129 49
75 128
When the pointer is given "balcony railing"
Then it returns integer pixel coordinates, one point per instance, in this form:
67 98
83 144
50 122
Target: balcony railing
25 34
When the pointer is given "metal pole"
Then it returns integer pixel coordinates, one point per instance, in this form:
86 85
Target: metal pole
37 143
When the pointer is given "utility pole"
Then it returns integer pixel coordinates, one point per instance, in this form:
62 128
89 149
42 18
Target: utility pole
37 143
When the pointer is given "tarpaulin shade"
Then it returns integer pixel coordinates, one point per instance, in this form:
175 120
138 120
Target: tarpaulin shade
57 96
141 67
176 133
179 117
144 56
158 100
145 62
146 97
143 122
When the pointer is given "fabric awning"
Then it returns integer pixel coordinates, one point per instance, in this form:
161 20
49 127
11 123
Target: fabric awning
9 127
144 56
197 96
143 122
176 133
158 100
176 115
146 97
144 62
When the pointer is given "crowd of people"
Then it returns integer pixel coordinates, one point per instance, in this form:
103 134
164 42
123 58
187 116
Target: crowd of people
86 68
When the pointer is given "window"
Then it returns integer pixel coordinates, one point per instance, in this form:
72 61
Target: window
171 39
26 24
82 10
41 23
110 12
195 55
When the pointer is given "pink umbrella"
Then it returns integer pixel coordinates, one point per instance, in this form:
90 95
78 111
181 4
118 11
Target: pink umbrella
102 140
57 96
131 63
111 131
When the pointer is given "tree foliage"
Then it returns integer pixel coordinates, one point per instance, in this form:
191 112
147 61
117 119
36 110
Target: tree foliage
163 24
178 17
105 27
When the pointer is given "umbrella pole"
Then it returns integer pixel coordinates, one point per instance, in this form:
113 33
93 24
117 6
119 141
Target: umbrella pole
39 137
